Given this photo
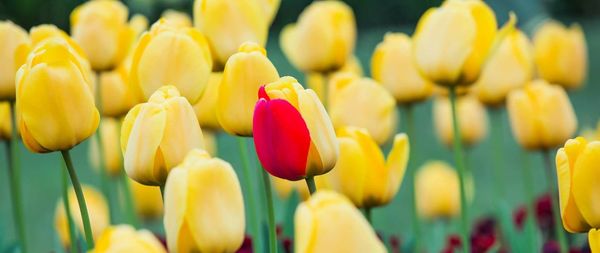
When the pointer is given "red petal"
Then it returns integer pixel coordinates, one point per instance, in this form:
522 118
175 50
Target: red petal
281 139
262 93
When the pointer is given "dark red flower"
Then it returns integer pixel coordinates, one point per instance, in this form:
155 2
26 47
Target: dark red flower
519 217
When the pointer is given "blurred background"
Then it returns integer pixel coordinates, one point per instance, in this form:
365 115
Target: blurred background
42 177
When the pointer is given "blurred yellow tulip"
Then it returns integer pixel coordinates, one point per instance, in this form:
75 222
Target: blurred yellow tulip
116 96
206 108
147 200
393 66
323 38
177 18
171 55
113 161
561 54
156 136
541 115
594 240
139 24
472 119
5 121
328 222
98 213
437 191
11 38
364 103
204 208
210 142
124 238
284 188
54 99
244 73
100 27
320 81
451 42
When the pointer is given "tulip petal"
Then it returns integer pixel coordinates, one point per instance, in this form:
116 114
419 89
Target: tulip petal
586 184
565 163
594 239
396 163
176 200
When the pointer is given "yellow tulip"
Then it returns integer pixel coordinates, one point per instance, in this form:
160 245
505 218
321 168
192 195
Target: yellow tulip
451 42
472 119
113 161
124 238
147 200
317 81
116 97
561 54
392 65
98 213
206 108
284 187
591 134
328 222
139 24
156 136
204 208
541 115
177 18
54 99
11 38
100 27
594 239
5 121
244 73
437 191
362 102
228 24
171 55
210 142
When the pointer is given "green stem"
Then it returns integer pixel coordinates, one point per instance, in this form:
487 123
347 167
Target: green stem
129 208
559 232
80 199
412 169
368 215
312 187
460 166
253 220
67 206
14 175
270 212
496 129
529 196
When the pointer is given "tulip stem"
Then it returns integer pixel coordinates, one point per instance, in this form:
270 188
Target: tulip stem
460 166
312 187
270 212
529 200
67 206
250 193
80 199
129 209
559 232
497 142
412 169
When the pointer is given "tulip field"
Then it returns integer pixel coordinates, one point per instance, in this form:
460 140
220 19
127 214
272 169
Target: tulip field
283 126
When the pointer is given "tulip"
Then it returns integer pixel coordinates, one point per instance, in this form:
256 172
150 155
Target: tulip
171 55
284 188
288 117
328 222
100 27
319 82
204 208
591 134
11 38
124 238
98 213
541 115
472 118
437 191
156 136
206 108
177 18
116 97
244 73
594 239
451 42
110 144
323 38
561 54
5 121
228 24
139 24
392 65
147 200
210 142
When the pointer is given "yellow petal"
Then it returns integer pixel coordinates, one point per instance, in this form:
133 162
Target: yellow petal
11 38
124 238
147 200
5 121
565 164
586 185
396 163
350 172
206 108
594 239
176 202
437 191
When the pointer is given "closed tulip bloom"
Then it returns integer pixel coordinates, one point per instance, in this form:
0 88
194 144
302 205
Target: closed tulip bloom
5 121
147 200
437 191
98 213
451 42
171 55
204 208
472 119
594 239
561 54
288 117
541 115
177 18
54 99
323 38
393 66
124 238
206 108
116 97
11 38
362 102
328 222
245 72
156 136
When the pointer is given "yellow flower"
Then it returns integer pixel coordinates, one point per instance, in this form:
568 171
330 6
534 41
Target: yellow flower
54 99
139 24
100 27
156 136
228 24
392 65
147 200
561 54
11 38
113 161
171 55
541 115
116 97
206 108
210 142
284 187
364 103
594 239
452 42
437 191
124 238
5 121
204 208
244 73
316 81
177 18
328 222
472 119
323 38
98 213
